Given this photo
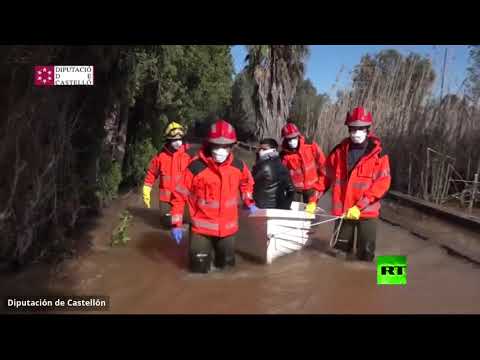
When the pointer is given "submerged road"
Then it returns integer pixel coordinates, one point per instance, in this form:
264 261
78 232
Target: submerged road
149 275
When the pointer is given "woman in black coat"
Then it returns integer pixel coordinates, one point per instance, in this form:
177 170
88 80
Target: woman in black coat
273 187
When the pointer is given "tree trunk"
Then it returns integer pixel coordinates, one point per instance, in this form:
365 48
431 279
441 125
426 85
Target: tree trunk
116 125
111 126
274 94
122 133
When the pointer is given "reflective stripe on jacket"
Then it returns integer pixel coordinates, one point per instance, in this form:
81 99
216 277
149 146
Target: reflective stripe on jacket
366 183
306 166
168 167
212 191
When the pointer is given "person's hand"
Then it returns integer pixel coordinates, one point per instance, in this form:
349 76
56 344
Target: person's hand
353 213
252 209
177 234
146 195
311 207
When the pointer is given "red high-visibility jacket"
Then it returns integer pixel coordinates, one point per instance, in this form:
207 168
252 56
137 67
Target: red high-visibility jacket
212 191
306 166
366 183
169 167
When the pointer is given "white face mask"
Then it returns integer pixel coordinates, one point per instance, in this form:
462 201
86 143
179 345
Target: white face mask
358 136
220 155
293 143
176 144
263 154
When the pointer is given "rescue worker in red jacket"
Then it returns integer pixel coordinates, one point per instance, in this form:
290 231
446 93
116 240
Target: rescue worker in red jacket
358 172
169 166
306 164
211 187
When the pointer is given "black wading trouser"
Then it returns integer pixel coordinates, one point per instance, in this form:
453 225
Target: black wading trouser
366 237
203 249
166 217
165 209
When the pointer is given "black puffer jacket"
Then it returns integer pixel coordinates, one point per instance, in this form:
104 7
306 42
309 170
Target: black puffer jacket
273 188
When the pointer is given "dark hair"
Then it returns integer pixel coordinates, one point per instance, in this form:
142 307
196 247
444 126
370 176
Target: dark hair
270 142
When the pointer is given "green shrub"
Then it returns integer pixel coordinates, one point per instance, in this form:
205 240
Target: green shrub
109 180
158 127
138 159
120 234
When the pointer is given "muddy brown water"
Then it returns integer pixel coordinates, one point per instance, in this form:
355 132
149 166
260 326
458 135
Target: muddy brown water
149 276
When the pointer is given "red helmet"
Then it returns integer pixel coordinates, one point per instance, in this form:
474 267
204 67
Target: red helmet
222 133
359 117
290 131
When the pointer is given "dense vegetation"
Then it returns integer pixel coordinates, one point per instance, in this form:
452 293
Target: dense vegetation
410 120
66 151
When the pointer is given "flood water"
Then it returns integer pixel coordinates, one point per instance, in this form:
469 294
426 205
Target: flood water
149 276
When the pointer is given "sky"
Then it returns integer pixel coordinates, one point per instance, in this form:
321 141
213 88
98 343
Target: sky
327 63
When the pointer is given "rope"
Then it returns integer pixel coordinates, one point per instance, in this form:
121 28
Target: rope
325 221
336 233
319 209
288 231
334 238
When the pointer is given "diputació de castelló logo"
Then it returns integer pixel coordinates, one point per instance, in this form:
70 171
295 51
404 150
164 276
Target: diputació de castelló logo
63 75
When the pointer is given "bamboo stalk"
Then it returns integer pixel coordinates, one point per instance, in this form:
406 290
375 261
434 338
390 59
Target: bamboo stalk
394 93
410 176
441 180
422 184
435 181
439 153
427 172
456 172
447 183
474 193
468 166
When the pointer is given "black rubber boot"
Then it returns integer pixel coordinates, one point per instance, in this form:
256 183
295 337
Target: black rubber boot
200 263
367 238
224 252
368 253
223 262
337 253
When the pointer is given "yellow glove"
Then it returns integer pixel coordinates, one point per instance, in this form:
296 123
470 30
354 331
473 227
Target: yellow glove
146 195
353 213
311 207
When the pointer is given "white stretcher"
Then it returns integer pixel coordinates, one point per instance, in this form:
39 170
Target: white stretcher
271 233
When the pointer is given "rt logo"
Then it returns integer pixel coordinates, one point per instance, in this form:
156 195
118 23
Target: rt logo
391 270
